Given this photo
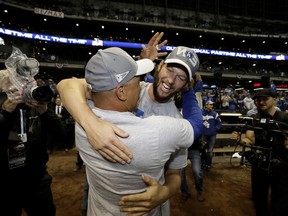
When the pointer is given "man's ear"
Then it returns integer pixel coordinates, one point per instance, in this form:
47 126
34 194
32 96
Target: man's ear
121 93
188 85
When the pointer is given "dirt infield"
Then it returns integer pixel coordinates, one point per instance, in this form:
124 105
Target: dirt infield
226 185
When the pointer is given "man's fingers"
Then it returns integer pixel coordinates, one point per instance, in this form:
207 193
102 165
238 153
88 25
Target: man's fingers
115 154
148 181
153 39
134 211
121 151
133 198
159 47
163 43
161 54
106 156
112 149
158 38
120 133
132 204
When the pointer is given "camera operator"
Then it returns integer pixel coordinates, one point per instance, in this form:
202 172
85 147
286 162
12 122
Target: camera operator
26 182
265 137
25 125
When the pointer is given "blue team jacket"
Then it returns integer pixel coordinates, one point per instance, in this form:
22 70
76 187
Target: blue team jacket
211 122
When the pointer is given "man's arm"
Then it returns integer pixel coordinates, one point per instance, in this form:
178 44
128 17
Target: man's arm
140 204
192 112
102 135
248 139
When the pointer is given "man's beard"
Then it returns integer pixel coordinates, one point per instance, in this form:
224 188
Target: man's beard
159 98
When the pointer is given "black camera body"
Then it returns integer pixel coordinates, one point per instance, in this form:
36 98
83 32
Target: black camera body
265 123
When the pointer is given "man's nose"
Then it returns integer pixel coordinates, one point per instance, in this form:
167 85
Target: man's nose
171 78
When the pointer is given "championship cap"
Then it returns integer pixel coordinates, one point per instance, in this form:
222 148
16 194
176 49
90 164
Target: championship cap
113 66
186 57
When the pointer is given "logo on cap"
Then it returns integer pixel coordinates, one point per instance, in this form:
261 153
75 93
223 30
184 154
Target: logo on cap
120 77
188 54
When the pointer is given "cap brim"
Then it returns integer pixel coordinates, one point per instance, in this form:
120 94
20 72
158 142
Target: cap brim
178 61
262 95
144 66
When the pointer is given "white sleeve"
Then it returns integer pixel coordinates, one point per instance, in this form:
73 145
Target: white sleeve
178 136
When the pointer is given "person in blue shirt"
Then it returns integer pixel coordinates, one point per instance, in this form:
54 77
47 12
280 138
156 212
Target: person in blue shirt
211 125
233 105
273 87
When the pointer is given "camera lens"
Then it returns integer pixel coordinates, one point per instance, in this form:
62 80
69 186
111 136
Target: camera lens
42 93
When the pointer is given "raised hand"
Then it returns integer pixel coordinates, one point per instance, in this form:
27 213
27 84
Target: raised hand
151 50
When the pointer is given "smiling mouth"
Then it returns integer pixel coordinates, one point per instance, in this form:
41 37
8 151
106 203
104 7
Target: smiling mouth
166 86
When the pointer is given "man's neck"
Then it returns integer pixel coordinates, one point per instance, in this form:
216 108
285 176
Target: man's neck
109 102
270 111
151 94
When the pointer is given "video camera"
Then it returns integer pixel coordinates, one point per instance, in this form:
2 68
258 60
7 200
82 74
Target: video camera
257 123
270 134
18 78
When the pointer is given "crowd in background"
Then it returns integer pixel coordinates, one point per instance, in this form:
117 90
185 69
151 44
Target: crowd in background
225 98
232 100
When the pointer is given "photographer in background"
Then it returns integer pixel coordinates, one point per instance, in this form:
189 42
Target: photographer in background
25 125
268 174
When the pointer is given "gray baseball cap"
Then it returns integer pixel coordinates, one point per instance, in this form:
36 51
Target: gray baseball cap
184 56
113 66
